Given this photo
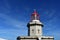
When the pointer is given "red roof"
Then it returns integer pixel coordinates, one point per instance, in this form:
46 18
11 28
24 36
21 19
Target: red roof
35 13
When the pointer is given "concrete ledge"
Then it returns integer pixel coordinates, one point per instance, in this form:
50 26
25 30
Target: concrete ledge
27 37
35 37
47 37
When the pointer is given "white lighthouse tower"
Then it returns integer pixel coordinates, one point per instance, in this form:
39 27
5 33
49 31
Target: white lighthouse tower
35 26
35 29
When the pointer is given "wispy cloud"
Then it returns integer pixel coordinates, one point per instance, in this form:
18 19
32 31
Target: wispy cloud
2 39
12 22
14 28
51 24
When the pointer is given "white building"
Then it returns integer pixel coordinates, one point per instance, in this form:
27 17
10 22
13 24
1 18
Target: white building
35 29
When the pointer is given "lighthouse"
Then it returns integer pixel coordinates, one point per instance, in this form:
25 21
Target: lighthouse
35 29
35 25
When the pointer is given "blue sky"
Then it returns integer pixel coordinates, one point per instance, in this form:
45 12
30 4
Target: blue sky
15 14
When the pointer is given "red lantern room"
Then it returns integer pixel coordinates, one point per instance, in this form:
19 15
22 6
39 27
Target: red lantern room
35 15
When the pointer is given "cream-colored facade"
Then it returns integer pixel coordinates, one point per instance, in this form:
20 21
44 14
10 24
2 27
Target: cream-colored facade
35 30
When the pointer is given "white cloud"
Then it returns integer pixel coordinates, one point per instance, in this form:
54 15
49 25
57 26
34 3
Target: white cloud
2 39
11 21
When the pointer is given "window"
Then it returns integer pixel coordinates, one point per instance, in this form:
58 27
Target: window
32 30
38 31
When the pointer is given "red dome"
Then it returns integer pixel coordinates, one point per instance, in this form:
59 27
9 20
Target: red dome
35 15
